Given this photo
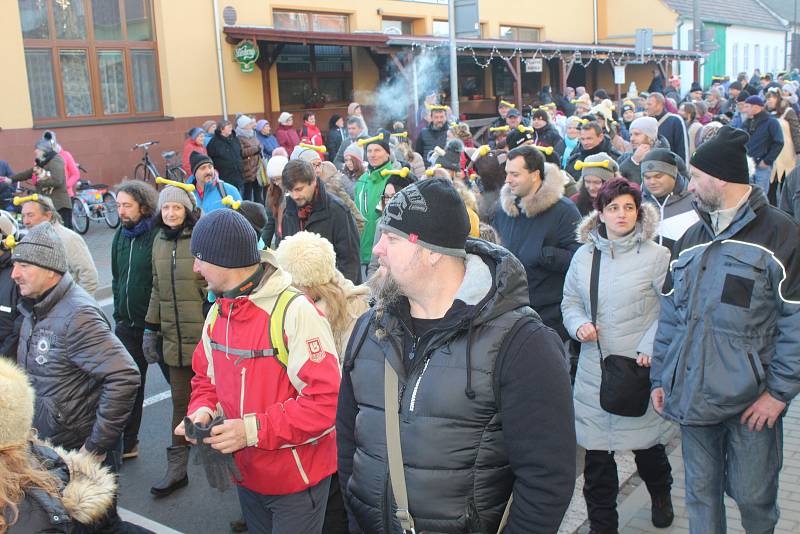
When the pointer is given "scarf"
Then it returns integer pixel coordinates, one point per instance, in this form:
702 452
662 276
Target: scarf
141 227
49 155
569 146
305 212
245 132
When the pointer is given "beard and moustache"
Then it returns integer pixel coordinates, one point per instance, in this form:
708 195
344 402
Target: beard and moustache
385 290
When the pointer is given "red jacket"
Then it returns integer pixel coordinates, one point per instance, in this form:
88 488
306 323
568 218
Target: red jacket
311 134
287 137
289 412
190 146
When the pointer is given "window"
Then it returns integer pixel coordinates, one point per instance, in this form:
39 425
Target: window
746 57
766 58
396 27
471 77
775 61
757 57
504 82
441 28
516 33
90 59
735 57
305 69
302 21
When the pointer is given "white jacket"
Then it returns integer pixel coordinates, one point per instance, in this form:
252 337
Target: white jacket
79 259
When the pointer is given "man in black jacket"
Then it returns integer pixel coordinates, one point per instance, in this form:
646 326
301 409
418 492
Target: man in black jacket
10 318
475 370
593 141
766 140
432 136
310 207
670 126
85 380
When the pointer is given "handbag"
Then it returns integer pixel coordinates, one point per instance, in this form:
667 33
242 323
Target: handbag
624 384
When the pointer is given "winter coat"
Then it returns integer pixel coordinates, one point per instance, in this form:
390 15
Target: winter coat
730 316
357 303
632 271
430 138
310 134
565 147
72 174
790 194
226 153
132 274
339 159
630 169
79 260
10 318
766 138
288 409
337 184
177 297
190 146
580 154
369 189
287 137
53 186
212 195
790 115
539 230
547 136
331 219
787 159
336 137
459 435
268 144
85 498
672 127
693 134
676 212
85 381
251 157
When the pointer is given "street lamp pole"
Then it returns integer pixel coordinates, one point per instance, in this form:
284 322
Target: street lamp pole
451 18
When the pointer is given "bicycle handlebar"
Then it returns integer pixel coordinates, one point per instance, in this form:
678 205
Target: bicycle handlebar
145 145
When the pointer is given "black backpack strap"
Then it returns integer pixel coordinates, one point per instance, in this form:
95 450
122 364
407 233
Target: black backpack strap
357 339
594 282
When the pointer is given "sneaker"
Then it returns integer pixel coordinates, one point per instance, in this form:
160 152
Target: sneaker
662 513
238 526
131 454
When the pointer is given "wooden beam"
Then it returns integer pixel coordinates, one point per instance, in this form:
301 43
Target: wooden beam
266 89
565 70
400 66
518 85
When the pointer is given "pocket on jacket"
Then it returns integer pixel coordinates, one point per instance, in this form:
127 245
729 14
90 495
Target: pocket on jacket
731 374
681 278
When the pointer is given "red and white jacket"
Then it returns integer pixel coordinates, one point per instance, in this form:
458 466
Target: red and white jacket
289 411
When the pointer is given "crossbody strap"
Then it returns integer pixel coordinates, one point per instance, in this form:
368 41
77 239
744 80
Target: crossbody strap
594 282
391 410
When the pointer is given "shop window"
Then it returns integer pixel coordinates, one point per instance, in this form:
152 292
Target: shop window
90 59
518 33
396 27
441 28
471 78
313 75
305 21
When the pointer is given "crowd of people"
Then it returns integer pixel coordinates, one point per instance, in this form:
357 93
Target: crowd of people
383 330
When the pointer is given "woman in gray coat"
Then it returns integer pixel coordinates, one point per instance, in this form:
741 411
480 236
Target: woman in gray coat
632 271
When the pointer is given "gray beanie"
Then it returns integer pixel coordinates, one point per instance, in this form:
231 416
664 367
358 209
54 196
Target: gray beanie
42 247
44 145
180 196
225 238
604 173
309 155
647 125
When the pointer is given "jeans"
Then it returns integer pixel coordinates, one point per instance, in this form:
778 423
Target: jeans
761 178
303 511
601 483
728 458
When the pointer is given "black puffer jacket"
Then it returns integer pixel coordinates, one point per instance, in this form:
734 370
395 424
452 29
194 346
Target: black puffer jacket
226 153
10 318
85 380
430 138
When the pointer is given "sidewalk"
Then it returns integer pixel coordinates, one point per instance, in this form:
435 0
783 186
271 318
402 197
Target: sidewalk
634 505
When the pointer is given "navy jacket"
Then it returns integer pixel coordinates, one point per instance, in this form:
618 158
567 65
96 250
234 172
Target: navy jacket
766 138
673 130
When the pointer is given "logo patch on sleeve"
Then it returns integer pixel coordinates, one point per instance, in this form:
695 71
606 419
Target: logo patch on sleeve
315 350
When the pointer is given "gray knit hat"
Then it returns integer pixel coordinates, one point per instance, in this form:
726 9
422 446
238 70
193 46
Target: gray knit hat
42 247
225 238
604 173
180 196
309 155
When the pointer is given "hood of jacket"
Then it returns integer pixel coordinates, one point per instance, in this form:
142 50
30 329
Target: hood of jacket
589 230
536 202
40 308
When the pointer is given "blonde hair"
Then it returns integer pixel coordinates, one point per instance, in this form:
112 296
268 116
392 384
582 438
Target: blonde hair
336 309
469 198
18 473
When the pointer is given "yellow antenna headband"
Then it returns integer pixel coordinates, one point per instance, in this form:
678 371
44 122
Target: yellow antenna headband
524 129
434 107
9 242
500 128
507 103
429 172
189 188
22 200
314 147
400 134
586 165
368 140
549 150
402 173
228 201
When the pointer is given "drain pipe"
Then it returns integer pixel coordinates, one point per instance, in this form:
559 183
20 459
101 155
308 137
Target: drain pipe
594 7
222 93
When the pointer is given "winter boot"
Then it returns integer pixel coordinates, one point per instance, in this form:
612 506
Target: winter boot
661 511
177 459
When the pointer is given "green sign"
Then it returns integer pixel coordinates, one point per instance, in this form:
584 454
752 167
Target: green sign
246 54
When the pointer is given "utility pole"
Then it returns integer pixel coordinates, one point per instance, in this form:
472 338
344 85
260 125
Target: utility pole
697 32
451 18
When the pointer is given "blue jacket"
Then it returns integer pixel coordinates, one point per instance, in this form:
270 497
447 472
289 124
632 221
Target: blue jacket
766 138
268 144
730 316
673 129
212 195
539 230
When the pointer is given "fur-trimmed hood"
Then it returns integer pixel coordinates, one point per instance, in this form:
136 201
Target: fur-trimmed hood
588 230
534 203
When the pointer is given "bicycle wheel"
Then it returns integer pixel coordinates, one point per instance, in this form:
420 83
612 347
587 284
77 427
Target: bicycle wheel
177 174
110 212
152 173
139 173
80 219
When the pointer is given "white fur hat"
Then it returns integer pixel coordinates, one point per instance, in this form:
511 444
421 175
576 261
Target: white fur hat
16 404
275 166
308 258
284 117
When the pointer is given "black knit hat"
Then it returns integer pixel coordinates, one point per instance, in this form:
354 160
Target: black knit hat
383 142
196 159
516 138
431 214
255 214
225 238
452 156
660 160
724 156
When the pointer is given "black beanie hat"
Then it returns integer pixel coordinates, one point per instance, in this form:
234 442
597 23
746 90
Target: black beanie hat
452 155
383 142
431 214
660 160
225 238
516 138
398 182
255 214
724 156
196 159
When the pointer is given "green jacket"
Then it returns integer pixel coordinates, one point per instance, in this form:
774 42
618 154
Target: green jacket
368 191
177 298
132 276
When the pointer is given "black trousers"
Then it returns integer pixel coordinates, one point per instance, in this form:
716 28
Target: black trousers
66 217
601 483
131 338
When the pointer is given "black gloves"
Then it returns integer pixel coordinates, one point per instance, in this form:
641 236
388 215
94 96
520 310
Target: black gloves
149 346
219 467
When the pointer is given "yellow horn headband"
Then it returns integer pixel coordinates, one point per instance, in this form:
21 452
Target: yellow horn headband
400 134
483 150
433 107
22 200
228 201
368 140
500 128
586 165
314 147
189 188
583 121
507 103
524 129
549 150
402 173
429 172
9 242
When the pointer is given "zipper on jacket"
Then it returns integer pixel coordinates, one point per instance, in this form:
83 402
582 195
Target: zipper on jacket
241 394
299 465
752 361
128 282
175 303
416 386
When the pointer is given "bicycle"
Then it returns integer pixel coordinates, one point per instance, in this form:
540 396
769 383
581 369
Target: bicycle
93 202
147 171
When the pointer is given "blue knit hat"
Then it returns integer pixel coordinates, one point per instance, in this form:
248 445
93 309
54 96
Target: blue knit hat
225 238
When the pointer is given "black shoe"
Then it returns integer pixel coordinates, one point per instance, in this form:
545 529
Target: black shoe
662 513
175 478
238 526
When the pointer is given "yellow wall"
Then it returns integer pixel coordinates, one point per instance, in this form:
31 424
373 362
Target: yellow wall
15 105
622 17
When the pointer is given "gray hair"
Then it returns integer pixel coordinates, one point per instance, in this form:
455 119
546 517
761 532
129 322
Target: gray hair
355 119
143 193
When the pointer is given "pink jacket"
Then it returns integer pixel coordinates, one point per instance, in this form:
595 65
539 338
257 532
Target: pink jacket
71 172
